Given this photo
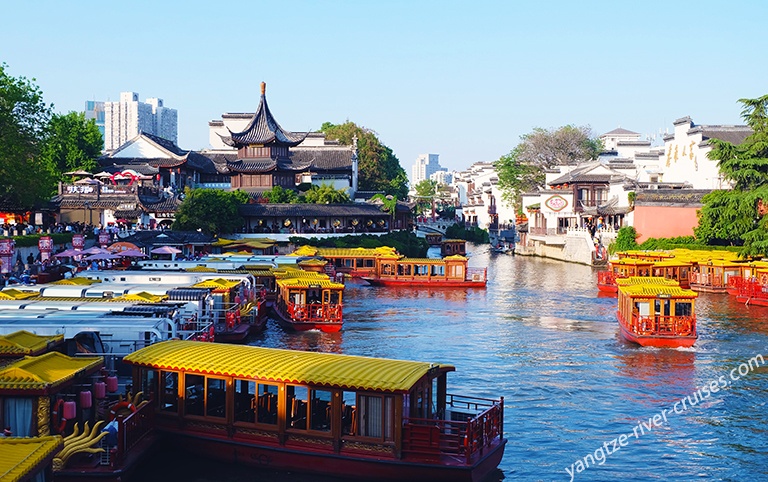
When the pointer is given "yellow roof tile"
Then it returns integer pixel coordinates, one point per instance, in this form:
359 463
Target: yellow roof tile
24 343
323 369
646 280
44 371
21 458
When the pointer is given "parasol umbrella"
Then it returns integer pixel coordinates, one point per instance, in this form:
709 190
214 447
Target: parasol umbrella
94 250
131 253
101 256
79 172
88 180
122 246
68 253
166 250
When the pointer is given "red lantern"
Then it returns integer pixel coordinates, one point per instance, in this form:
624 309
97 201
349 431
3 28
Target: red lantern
112 384
85 399
100 389
70 409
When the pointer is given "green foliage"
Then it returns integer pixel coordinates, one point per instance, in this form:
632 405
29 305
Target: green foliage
27 241
213 211
731 217
26 178
278 195
474 234
378 168
72 143
325 194
522 170
625 240
406 243
425 195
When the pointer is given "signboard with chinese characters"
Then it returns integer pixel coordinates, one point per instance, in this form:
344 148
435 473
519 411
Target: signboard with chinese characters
45 245
104 239
556 203
78 241
6 254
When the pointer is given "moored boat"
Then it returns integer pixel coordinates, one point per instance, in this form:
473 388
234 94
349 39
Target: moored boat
451 271
754 290
306 300
336 415
712 276
654 312
622 268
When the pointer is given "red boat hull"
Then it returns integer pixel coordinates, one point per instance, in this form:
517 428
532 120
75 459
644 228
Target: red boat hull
431 284
659 341
370 467
291 324
608 288
749 300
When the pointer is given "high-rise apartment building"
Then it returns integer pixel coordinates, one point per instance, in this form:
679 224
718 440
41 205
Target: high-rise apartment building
94 109
125 119
425 166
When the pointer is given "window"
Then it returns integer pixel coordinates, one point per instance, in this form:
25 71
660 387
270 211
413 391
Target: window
296 407
170 401
377 416
267 404
194 395
149 383
216 395
348 413
320 413
683 309
245 401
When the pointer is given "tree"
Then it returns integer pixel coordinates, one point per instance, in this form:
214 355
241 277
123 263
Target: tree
378 168
388 204
72 142
625 240
278 195
425 195
26 178
523 168
325 194
213 211
737 216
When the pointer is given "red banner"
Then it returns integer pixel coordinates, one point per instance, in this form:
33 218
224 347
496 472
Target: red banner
78 241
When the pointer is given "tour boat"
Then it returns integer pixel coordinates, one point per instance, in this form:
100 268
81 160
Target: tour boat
307 300
622 268
451 271
355 262
754 290
712 276
674 269
335 415
71 406
655 312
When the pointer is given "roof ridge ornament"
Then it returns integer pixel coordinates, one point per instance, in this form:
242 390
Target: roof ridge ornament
263 88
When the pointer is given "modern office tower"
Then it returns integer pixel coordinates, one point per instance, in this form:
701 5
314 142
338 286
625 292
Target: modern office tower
425 166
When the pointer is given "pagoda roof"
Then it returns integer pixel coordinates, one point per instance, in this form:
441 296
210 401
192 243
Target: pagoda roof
264 129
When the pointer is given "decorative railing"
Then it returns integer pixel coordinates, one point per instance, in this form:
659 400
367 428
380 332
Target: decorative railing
662 325
131 430
706 279
474 425
314 312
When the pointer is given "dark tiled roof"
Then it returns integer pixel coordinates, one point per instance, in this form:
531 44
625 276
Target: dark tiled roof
264 129
166 205
310 210
113 203
619 131
733 134
171 238
337 158
583 174
260 165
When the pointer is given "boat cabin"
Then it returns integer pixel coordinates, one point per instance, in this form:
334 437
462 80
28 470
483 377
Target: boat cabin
448 271
712 276
24 343
674 269
306 300
338 415
451 247
355 262
652 312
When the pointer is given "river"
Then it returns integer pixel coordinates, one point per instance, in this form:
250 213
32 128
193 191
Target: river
541 337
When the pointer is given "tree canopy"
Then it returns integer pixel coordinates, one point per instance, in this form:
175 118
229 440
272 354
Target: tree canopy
72 142
523 168
737 216
213 211
378 168
24 116
323 194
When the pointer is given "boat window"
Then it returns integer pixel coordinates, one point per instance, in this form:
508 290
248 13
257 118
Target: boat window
149 383
320 413
662 307
644 309
377 416
297 407
194 394
359 262
348 413
170 402
245 401
438 270
683 309
216 395
369 263
387 269
349 263
266 405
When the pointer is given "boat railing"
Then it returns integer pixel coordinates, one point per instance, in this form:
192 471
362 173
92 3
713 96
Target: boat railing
663 325
752 288
471 426
314 312
131 430
706 279
606 277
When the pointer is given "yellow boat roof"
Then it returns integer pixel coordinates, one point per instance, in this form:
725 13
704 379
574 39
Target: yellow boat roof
200 269
672 262
45 371
291 366
24 343
656 291
14 294
142 297
218 283
77 280
307 282
345 252
23 457
632 262
646 280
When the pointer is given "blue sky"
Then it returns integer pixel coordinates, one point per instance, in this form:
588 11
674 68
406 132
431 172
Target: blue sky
460 79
